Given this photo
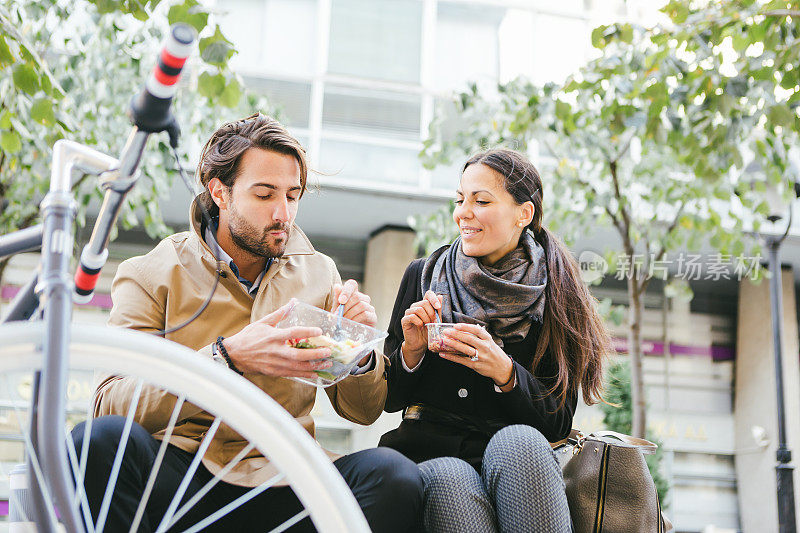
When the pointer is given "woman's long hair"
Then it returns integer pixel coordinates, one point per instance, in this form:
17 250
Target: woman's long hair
572 330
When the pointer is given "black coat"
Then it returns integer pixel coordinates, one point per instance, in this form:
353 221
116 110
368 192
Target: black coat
456 389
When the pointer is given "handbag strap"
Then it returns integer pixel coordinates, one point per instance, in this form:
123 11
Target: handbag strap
645 446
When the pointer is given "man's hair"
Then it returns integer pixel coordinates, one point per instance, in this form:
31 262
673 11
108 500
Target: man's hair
222 153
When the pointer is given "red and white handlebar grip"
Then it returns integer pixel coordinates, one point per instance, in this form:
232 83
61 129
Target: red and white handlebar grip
87 275
177 48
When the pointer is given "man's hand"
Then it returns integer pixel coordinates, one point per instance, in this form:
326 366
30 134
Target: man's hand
261 348
357 306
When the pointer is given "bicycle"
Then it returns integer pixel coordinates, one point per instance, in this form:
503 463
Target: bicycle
39 338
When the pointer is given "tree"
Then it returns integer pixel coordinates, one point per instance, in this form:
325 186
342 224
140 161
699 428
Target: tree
70 71
649 139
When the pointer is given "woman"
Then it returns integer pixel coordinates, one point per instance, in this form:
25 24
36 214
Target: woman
479 415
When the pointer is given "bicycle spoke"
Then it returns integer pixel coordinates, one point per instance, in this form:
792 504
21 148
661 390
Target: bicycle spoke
87 434
123 444
292 521
210 485
162 450
34 460
187 478
244 498
80 491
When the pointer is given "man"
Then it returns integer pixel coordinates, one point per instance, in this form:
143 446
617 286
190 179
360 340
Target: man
254 174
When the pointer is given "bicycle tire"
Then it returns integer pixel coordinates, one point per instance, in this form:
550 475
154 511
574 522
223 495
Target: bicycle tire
179 370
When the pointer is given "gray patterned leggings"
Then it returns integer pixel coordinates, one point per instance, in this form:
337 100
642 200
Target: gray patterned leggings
519 490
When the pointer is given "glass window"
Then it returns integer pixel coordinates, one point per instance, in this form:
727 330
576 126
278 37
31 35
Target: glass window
272 35
369 111
292 100
370 163
376 39
466 44
561 45
241 21
516 45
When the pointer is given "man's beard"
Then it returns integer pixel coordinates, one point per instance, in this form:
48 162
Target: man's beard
258 243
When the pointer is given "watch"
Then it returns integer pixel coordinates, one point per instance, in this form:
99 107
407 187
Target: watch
216 357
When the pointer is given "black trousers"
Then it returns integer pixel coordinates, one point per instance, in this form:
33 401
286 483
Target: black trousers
387 486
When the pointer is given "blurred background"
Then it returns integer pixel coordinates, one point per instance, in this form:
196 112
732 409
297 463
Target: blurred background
665 133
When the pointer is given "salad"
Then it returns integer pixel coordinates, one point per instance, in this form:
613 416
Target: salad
342 351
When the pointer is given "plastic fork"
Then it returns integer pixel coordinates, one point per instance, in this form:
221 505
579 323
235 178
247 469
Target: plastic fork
337 333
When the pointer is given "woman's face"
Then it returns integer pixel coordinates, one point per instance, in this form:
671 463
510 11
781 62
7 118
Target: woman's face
489 220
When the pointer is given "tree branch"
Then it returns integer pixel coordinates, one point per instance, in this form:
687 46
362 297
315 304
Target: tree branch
660 255
782 13
626 220
614 218
79 182
624 147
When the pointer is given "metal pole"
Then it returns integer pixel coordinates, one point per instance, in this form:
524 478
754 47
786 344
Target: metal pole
56 294
23 240
784 470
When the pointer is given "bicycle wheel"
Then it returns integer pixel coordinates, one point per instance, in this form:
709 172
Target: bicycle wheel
194 380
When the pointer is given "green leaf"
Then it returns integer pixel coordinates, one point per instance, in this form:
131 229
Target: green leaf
107 6
189 12
598 37
231 94
211 86
5 119
216 50
10 142
25 78
781 115
42 111
626 33
6 58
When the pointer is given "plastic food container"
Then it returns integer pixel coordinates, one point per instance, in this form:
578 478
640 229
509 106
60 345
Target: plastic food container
349 343
435 341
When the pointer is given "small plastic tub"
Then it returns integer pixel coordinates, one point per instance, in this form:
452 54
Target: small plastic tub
349 343
435 341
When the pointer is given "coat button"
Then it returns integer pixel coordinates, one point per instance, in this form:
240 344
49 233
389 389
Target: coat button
462 393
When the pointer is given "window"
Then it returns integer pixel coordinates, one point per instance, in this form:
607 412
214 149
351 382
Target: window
372 112
292 100
466 44
561 46
378 39
274 36
367 162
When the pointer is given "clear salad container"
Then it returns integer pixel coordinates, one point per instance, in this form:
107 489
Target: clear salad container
349 342
435 341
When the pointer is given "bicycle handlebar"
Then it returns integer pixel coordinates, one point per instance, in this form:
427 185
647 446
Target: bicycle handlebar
149 110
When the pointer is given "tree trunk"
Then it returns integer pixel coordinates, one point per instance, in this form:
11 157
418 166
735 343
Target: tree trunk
638 399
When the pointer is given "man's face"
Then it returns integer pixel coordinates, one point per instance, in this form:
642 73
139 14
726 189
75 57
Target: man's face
262 203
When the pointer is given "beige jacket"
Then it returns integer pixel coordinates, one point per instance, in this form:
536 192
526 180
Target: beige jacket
166 286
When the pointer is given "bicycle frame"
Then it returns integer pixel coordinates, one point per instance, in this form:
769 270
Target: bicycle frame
52 290
52 287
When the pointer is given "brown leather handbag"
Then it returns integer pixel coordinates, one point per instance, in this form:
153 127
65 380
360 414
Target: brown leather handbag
609 488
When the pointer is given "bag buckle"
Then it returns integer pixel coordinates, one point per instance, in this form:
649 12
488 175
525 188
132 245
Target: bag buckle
577 442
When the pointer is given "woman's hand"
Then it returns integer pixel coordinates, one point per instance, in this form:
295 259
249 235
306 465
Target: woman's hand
483 355
415 333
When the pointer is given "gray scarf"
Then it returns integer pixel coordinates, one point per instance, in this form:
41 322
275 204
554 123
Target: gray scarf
504 297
